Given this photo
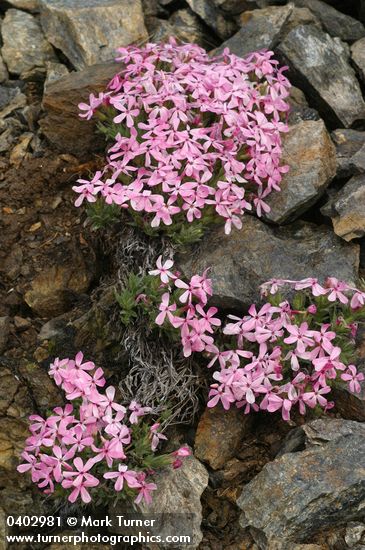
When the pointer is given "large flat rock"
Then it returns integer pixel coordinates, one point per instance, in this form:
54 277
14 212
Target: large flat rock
303 493
240 262
89 31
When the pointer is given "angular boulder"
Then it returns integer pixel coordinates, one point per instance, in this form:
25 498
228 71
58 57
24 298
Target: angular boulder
176 505
311 155
61 124
319 65
348 143
25 48
89 31
184 25
240 262
259 29
347 209
358 57
302 493
211 15
333 21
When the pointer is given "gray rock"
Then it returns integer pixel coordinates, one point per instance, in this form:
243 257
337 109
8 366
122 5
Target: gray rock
55 71
347 209
211 15
4 332
301 114
10 130
25 49
3 70
354 533
260 29
184 25
153 8
309 151
297 98
358 57
347 143
334 22
26 5
320 67
300 16
176 503
357 161
61 123
303 493
235 7
55 329
89 31
319 433
11 99
240 262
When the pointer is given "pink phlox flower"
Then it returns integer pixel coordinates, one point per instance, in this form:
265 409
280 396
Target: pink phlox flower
145 490
57 370
315 397
123 474
163 270
107 403
337 289
80 480
353 378
58 461
137 411
300 336
77 438
113 425
29 464
209 319
165 309
105 452
358 300
221 356
331 360
156 436
90 108
219 393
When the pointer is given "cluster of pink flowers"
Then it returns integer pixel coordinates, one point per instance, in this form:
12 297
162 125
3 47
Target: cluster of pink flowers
190 315
334 289
82 446
276 357
192 133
